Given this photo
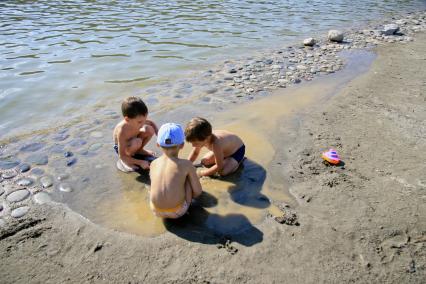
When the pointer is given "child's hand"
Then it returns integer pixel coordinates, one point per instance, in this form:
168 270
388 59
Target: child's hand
143 164
200 173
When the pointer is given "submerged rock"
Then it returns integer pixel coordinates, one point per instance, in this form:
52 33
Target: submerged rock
38 159
335 35
32 147
309 41
24 182
8 163
390 29
9 174
42 197
65 187
18 195
46 182
19 212
24 168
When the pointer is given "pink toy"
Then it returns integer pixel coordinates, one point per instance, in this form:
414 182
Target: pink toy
331 156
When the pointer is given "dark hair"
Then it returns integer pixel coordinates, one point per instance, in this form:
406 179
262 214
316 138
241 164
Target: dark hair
133 107
198 129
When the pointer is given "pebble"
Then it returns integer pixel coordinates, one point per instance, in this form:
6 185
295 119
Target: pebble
2 223
38 159
60 137
42 197
77 143
37 171
390 29
57 148
335 35
97 134
9 174
62 177
68 154
65 187
95 147
19 212
309 42
24 182
32 147
71 162
18 195
46 182
24 168
8 163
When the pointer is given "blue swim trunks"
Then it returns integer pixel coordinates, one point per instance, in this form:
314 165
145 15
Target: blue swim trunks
239 154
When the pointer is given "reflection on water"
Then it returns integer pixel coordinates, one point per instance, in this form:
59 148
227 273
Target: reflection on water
57 56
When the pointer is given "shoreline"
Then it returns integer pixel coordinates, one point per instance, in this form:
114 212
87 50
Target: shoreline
351 247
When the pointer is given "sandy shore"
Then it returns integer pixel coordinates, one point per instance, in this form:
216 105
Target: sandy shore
361 222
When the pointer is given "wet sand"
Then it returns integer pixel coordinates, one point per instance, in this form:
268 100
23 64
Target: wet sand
361 222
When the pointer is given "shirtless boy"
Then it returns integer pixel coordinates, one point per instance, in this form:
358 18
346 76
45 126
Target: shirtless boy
226 149
174 181
132 134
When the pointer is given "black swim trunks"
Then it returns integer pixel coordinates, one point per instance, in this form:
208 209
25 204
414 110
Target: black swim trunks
239 154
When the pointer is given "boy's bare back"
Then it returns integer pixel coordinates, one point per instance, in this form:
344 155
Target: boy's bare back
168 178
228 142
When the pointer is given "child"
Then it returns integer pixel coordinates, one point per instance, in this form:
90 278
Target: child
132 134
226 149
174 181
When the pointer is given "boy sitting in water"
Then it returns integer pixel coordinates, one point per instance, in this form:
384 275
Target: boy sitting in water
174 181
132 134
226 149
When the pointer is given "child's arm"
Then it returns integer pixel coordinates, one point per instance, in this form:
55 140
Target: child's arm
194 154
128 160
218 166
194 181
153 125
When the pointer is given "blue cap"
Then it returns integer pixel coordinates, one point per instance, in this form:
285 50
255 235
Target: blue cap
170 135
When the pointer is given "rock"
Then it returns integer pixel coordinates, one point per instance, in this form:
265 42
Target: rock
309 41
19 212
24 168
97 146
62 177
77 143
65 187
57 148
37 171
390 29
24 182
96 134
9 174
1 207
211 90
268 61
38 159
42 197
68 154
335 35
8 163
32 147
46 182
18 195
232 71
276 67
1 191
60 137
2 223
71 162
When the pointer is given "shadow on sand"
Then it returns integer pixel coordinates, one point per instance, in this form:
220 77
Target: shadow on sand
209 228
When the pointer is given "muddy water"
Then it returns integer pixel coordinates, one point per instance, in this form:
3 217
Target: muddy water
228 205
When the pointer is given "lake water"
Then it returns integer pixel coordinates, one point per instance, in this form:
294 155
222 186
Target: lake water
60 60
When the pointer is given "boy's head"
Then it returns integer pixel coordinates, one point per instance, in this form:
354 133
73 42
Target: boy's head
170 135
197 130
134 109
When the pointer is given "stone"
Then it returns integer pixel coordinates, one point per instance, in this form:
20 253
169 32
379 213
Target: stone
65 187
18 195
57 148
38 159
24 168
37 171
9 174
211 90
268 61
42 197
335 35
1 191
24 182
309 41
46 182
1 207
60 137
97 134
20 212
71 162
2 223
8 163
68 154
32 147
62 177
390 29
77 143
276 67
95 147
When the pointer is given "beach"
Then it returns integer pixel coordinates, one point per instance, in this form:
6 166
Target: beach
361 221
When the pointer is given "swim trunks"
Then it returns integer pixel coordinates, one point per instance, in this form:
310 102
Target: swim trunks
239 154
148 158
174 213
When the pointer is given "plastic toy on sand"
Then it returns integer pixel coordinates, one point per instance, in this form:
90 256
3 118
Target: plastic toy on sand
331 156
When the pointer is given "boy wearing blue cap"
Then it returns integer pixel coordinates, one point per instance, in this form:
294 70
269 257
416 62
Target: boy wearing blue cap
174 181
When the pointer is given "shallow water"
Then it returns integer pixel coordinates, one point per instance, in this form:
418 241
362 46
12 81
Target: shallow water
58 60
229 205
